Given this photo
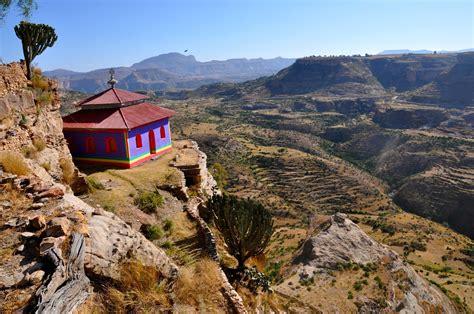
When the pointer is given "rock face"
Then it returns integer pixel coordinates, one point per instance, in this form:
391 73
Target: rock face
44 218
341 241
193 163
402 118
341 75
112 242
452 89
408 72
34 125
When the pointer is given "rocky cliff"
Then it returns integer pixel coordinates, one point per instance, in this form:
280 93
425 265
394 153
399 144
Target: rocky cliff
54 243
452 89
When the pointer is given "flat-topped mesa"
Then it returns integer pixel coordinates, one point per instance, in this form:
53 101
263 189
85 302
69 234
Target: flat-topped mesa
117 127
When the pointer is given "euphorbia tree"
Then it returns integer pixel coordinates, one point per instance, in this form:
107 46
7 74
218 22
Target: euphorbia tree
35 38
245 225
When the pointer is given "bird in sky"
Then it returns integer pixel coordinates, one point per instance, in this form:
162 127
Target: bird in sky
186 50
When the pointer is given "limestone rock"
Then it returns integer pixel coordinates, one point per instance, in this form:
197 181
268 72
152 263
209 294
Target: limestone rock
58 227
342 241
35 277
113 242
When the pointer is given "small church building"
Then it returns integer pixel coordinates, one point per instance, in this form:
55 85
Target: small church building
118 128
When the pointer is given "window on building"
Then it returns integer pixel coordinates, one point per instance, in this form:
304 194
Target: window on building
110 145
90 145
138 140
162 132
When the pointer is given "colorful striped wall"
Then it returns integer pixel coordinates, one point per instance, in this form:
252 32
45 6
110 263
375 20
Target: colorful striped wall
127 154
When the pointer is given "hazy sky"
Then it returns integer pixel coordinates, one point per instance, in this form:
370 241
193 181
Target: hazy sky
104 33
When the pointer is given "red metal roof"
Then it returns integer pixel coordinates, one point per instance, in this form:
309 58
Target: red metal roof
117 118
112 96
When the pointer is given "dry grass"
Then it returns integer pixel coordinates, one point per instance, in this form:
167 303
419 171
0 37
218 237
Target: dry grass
199 285
140 290
68 170
39 143
14 163
30 151
38 81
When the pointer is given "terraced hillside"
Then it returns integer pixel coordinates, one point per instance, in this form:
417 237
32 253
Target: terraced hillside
277 154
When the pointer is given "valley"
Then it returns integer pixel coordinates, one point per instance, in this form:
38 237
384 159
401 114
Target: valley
378 159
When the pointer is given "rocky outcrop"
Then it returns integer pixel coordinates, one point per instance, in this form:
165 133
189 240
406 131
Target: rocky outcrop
408 72
112 242
337 76
30 124
410 118
41 219
193 163
452 89
341 242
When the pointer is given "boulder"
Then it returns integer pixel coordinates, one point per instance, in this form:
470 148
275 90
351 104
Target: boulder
112 242
35 277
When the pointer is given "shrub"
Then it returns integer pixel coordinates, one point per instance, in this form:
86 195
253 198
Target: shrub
154 232
245 225
168 225
14 163
148 201
357 286
350 296
68 170
38 81
167 245
29 151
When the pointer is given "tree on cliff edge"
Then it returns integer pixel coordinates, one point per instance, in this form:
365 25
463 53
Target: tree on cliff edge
35 38
26 7
245 224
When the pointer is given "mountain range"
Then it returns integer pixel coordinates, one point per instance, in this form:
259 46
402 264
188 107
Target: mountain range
171 71
422 51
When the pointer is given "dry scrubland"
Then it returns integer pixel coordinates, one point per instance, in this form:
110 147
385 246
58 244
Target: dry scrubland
276 156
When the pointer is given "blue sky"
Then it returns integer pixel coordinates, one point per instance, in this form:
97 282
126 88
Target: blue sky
105 33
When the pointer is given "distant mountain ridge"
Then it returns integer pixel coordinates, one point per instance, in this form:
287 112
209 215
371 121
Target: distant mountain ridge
171 71
422 51
443 79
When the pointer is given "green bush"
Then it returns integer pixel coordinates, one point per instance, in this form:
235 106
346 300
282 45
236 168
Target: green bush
167 245
357 286
148 201
154 232
168 225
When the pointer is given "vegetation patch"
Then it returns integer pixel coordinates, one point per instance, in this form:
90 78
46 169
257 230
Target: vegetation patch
148 201
14 163
94 184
